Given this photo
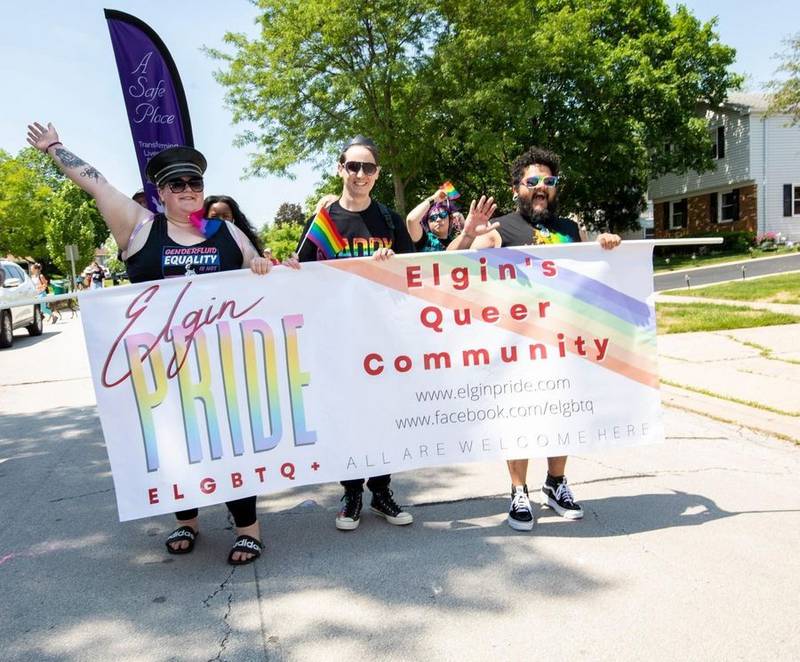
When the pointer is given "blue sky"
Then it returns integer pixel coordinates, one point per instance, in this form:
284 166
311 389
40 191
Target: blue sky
58 66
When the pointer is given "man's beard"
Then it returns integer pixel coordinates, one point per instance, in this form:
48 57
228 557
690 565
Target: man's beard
543 216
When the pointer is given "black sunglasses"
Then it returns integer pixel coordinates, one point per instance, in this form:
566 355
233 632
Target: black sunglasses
438 215
354 166
179 185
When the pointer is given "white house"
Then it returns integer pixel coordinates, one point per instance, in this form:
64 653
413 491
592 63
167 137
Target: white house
756 182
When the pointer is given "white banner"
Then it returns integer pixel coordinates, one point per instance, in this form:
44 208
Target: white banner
211 388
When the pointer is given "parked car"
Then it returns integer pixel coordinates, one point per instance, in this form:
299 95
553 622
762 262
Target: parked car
16 285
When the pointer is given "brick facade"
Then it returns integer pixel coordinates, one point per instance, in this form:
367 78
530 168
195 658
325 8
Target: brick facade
698 215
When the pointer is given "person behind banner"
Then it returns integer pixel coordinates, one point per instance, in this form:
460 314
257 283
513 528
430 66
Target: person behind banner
226 208
41 283
355 225
534 181
166 245
434 223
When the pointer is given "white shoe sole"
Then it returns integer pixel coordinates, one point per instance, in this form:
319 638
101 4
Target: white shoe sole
401 520
520 526
564 512
347 525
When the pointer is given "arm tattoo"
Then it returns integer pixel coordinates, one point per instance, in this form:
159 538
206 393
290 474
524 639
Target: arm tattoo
69 159
92 173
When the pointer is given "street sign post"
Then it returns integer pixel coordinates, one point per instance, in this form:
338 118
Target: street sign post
72 256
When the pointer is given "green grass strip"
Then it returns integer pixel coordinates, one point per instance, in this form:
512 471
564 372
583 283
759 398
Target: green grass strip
686 317
783 288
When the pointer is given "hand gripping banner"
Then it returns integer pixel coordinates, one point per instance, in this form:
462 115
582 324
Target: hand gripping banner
220 386
151 87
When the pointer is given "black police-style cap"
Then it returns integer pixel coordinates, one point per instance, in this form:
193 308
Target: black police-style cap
175 162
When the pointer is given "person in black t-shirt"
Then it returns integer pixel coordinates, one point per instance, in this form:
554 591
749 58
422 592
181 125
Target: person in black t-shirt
534 178
159 246
369 228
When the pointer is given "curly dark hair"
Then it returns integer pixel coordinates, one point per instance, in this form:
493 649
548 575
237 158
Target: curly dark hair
534 156
239 219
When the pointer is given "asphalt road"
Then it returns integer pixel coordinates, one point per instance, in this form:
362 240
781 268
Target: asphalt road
688 551
730 271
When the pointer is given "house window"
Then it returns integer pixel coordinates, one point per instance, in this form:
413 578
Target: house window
677 214
718 142
727 207
797 200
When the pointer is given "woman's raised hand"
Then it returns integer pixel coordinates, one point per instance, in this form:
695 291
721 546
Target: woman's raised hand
40 137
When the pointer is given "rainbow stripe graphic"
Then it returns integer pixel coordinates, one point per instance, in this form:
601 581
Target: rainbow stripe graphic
581 304
542 235
206 226
451 191
325 235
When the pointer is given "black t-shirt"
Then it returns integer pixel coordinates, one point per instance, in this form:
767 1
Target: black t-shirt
363 231
161 257
517 230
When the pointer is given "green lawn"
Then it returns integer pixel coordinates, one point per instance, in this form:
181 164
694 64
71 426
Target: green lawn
660 265
783 288
684 317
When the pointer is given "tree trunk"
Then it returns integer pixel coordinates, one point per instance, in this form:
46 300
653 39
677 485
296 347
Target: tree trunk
399 196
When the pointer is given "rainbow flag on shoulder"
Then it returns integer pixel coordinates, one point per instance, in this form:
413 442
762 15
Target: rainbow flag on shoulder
325 235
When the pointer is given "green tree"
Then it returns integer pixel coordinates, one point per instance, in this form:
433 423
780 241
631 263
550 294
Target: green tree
24 202
114 265
604 83
786 91
36 203
288 213
321 72
71 221
282 241
456 89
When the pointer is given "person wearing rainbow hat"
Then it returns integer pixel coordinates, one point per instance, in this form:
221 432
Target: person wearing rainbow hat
534 181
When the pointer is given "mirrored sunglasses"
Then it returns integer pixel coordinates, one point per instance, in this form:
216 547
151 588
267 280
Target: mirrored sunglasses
354 166
548 181
438 216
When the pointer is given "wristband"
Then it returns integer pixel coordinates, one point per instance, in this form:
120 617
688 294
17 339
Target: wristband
53 144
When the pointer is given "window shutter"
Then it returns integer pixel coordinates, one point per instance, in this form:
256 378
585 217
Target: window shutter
685 210
720 142
665 207
735 204
713 211
787 199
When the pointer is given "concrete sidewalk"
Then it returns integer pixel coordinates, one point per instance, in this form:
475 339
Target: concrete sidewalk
688 549
749 377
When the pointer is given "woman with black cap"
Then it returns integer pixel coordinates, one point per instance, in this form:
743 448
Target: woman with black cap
145 240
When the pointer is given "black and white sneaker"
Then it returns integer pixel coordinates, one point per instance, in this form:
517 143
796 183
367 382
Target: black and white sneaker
520 515
561 499
349 516
383 504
